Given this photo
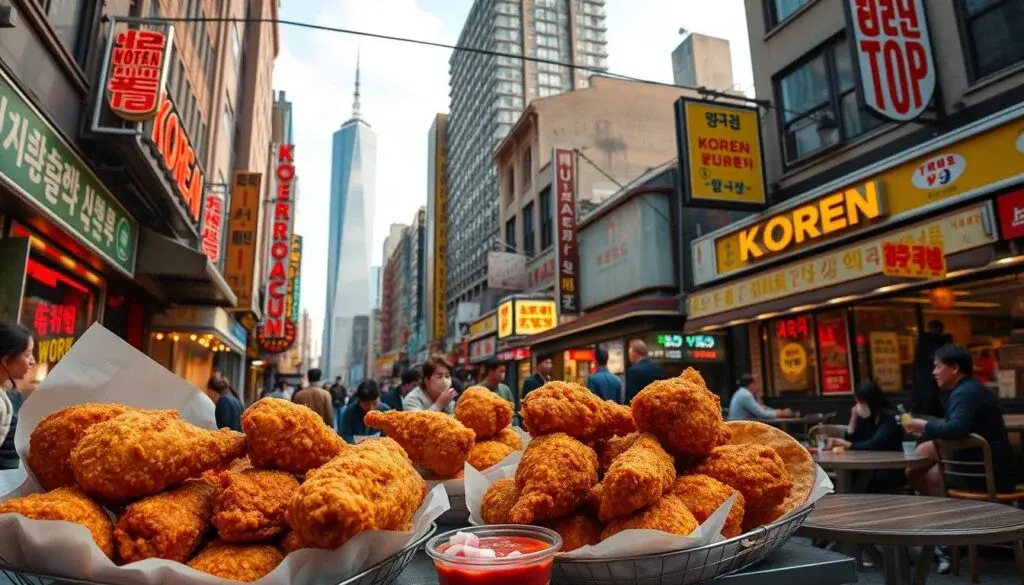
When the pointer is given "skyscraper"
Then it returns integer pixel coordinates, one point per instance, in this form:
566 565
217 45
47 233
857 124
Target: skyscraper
353 189
488 94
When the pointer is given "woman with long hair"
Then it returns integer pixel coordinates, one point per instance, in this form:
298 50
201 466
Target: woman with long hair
16 359
874 427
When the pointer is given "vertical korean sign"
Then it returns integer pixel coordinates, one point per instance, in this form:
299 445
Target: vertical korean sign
213 223
893 55
566 251
294 278
240 261
277 332
834 348
138 65
440 251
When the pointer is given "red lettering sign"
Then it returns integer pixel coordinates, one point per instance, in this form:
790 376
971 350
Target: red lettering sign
902 259
1011 214
213 223
566 251
894 56
136 73
277 333
178 158
54 320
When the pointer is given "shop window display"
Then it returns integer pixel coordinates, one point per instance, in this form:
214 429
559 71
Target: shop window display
794 366
834 348
886 335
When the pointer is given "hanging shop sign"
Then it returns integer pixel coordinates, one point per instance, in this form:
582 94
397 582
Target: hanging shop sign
240 258
294 277
482 349
211 232
277 331
138 65
526 317
720 155
541 273
834 347
1010 208
893 56
963 230
483 326
953 169
566 253
177 156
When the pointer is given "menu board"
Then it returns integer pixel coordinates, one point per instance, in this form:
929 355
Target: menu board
885 360
793 354
834 345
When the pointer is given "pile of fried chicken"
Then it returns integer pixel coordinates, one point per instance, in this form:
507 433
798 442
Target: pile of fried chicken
666 462
480 434
225 503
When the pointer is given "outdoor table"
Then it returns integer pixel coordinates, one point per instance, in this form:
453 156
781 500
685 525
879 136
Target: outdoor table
898 522
1014 424
846 462
792 563
806 421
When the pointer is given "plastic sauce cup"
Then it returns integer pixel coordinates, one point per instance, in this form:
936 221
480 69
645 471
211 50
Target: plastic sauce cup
530 563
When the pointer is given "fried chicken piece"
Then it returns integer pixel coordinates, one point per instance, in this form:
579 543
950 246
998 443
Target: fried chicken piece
609 449
683 415
702 495
237 562
566 407
667 515
166 526
483 411
68 504
510 437
724 435
431 476
635 479
498 501
143 452
486 454
369 486
578 530
554 478
432 439
250 507
291 542
288 436
755 470
51 442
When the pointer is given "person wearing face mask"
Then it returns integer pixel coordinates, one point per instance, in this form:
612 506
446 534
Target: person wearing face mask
874 426
436 392
16 360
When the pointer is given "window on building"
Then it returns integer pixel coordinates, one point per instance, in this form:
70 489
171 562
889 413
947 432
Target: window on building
780 10
510 234
993 32
793 360
528 235
547 218
66 17
818 102
236 43
527 168
509 186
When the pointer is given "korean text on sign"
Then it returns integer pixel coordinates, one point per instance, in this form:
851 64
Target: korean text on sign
567 253
913 260
724 153
137 64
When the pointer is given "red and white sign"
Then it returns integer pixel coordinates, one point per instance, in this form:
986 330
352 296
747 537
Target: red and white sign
894 56
137 60
178 157
1011 214
514 355
277 333
213 225
567 258
483 349
541 275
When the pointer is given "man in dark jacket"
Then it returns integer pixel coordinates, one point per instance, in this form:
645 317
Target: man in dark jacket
411 378
602 382
925 397
339 399
642 372
541 376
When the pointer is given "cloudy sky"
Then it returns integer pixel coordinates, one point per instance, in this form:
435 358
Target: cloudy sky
404 86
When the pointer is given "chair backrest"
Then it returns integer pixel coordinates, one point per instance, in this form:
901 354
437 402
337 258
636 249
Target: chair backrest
830 431
949 467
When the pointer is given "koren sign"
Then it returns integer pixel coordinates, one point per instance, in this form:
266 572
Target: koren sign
178 157
137 64
894 57
277 333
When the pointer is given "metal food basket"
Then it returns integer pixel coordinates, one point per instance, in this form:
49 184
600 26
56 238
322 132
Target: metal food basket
685 567
383 573
458 511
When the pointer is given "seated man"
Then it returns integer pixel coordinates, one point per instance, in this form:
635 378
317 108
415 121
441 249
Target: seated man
972 408
367 398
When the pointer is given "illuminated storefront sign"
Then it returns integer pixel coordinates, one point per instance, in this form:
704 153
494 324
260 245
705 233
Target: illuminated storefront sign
482 349
483 326
567 258
440 252
240 261
525 317
57 308
294 277
212 226
137 65
177 156
706 347
277 331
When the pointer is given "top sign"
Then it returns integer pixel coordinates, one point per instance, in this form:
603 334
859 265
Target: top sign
720 155
137 62
894 57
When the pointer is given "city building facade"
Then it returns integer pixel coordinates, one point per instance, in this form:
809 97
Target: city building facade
416 290
437 234
703 61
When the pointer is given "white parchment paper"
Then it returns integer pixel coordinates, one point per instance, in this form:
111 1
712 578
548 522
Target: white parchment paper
101 367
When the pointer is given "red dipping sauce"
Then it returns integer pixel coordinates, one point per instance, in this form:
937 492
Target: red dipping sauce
531 547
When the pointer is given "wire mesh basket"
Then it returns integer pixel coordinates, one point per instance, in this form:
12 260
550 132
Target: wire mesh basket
685 567
458 511
383 573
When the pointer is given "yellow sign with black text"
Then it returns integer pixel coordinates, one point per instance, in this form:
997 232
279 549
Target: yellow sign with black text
723 162
483 326
526 317
240 260
440 252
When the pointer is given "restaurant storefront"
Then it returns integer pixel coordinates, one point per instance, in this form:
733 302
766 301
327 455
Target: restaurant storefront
195 342
836 286
518 318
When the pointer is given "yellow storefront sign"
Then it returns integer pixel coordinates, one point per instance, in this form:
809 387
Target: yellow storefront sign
440 276
240 259
959 168
956 232
526 317
488 324
723 158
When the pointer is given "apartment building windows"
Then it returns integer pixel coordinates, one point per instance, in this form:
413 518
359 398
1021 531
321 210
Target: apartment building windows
993 33
528 235
547 218
780 10
66 18
510 234
817 102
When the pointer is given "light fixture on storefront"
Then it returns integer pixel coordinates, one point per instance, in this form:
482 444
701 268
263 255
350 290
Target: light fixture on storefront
257 363
801 309
175 337
1010 260
193 337
159 336
942 298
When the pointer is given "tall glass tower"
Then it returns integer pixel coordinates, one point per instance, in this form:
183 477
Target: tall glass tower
353 190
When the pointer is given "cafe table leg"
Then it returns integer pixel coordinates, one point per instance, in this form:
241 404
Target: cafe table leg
897 569
924 563
844 478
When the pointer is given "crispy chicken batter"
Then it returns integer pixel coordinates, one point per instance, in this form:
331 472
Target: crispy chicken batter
483 411
251 506
70 505
486 454
609 449
143 452
755 470
369 486
51 442
703 495
432 439
288 436
554 478
635 479
245 562
566 407
681 413
510 437
578 530
498 501
667 515
166 526
291 542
